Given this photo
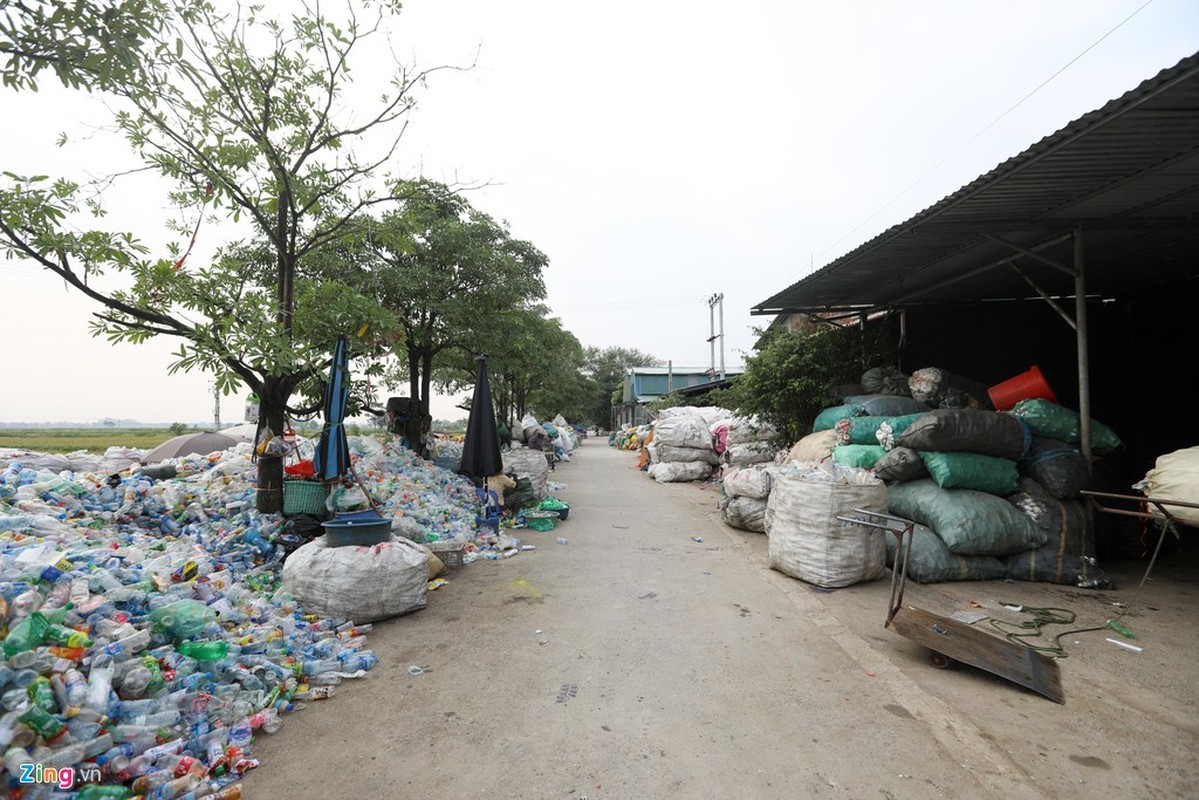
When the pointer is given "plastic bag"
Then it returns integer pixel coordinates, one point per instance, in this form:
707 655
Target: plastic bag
901 464
351 499
1068 555
991 433
1059 467
744 513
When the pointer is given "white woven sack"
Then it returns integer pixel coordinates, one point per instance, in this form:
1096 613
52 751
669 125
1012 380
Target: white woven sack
749 453
671 452
683 431
1175 476
808 542
680 471
745 513
358 583
747 482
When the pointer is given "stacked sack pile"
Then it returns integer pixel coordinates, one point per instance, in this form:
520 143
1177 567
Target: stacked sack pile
995 494
744 444
682 448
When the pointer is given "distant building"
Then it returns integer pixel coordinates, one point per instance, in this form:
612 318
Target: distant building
645 385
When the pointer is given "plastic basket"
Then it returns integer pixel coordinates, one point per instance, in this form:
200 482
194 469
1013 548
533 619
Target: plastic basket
361 532
304 497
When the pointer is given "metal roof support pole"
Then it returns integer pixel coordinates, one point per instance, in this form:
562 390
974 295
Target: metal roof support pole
1084 369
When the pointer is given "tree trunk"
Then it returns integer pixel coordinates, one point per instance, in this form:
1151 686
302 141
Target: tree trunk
272 414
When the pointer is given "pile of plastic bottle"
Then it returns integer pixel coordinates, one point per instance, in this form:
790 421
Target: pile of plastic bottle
146 639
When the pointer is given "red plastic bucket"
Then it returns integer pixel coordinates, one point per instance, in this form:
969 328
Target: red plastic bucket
1025 386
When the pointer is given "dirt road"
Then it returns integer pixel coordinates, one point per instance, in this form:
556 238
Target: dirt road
636 662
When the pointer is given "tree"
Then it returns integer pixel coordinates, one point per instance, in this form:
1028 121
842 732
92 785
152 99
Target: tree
86 44
454 277
787 379
604 370
244 115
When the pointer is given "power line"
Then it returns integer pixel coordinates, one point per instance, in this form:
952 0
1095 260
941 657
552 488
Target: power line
993 123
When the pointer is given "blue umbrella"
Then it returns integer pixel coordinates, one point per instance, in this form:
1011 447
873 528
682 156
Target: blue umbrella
332 458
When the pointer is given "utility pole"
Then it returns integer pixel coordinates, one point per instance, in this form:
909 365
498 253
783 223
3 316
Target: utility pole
216 407
714 301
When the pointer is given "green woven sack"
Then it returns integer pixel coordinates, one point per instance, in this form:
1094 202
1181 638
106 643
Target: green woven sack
862 456
931 562
828 418
970 523
973 471
1058 422
864 430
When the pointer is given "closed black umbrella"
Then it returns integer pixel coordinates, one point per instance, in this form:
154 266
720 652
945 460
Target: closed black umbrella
332 457
481 450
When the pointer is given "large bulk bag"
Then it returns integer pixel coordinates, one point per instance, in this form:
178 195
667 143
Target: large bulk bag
1059 467
358 583
745 513
1175 476
1068 555
1058 422
531 464
742 430
951 430
973 471
970 523
809 542
931 562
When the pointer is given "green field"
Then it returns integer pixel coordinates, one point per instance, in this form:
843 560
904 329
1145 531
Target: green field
94 440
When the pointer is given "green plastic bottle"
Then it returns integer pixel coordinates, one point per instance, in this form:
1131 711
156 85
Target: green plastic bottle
31 631
204 651
41 694
43 723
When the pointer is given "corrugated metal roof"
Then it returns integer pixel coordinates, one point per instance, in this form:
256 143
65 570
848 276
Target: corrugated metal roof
1127 173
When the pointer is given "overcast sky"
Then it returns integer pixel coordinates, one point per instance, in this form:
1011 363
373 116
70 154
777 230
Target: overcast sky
658 153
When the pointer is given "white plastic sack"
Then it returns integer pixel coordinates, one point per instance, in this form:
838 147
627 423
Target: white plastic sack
748 482
1175 476
680 471
683 431
749 453
745 429
745 513
358 583
808 542
670 452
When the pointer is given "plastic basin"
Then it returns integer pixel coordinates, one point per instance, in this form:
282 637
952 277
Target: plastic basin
360 532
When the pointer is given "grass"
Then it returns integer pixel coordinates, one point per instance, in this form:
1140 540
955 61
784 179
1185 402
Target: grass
94 440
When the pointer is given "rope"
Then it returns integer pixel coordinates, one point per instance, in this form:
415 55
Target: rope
1046 616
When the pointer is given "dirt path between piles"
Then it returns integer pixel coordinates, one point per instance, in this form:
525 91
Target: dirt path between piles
635 662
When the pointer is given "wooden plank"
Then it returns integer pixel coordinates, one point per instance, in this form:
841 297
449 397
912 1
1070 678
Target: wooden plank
978 648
